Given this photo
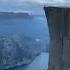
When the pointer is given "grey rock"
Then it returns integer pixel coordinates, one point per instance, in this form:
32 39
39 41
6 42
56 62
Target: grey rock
59 27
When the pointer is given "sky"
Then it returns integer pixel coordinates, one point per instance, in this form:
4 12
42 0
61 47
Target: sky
20 2
21 5
34 6
38 1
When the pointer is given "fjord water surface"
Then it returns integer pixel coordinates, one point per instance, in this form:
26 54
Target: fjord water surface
33 27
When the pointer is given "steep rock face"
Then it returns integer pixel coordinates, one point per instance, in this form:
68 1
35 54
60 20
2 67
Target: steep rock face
59 27
66 54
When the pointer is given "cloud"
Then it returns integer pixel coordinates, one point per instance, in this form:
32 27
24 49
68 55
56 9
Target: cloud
20 1
38 1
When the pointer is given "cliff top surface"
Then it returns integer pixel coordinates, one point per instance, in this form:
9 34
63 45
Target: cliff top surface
57 3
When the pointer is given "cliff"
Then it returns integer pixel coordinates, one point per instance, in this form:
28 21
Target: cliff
59 28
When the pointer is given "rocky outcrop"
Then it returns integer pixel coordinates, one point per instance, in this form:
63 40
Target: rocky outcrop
59 28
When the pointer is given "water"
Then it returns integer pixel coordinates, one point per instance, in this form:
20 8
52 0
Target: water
31 27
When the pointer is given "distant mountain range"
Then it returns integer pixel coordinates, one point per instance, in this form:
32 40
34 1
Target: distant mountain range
15 14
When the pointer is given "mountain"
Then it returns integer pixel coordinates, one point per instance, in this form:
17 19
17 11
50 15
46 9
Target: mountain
15 15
